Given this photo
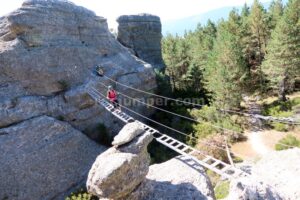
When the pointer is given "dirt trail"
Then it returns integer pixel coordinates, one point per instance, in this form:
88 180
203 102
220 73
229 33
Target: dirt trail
257 143
260 143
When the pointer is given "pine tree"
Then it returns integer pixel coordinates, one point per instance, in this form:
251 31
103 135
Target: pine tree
194 77
169 52
234 23
183 64
225 69
282 64
202 43
275 13
259 33
245 11
245 38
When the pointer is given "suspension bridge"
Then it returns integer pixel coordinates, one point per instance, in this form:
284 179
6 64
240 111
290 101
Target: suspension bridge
195 156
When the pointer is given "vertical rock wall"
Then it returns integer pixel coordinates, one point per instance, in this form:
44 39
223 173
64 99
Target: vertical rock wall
142 34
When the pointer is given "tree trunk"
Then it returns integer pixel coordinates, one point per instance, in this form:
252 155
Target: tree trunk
282 89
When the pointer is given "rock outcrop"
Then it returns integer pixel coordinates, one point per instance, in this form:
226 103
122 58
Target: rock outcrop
128 132
176 179
119 170
273 177
48 50
43 158
142 34
123 172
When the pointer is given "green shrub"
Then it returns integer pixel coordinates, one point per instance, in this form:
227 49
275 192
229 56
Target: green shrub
64 85
280 109
296 101
227 123
238 160
280 126
203 130
277 112
212 119
213 177
81 194
288 140
207 113
222 190
61 118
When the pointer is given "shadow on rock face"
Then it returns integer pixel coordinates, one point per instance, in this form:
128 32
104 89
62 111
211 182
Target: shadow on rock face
168 190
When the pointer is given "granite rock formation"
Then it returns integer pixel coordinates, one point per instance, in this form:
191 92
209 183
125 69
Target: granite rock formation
118 171
123 172
274 177
48 50
142 34
43 158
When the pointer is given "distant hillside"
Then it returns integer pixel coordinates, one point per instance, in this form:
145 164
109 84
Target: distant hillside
190 23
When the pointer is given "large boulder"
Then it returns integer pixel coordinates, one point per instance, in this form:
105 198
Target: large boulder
117 172
127 133
245 188
272 178
48 50
43 158
142 34
178 178
118 175
123 172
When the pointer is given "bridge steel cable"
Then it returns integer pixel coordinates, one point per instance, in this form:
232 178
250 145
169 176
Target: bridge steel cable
173 113
172 129
200 105
226 170
182 116
185 117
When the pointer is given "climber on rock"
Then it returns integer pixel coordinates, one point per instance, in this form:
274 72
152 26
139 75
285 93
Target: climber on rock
112 97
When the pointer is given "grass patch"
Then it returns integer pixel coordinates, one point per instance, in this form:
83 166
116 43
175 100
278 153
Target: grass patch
280 126
238 160
222 190
281 109
288 140
213 177
81 194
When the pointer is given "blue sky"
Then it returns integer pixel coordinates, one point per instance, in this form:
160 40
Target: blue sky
166 9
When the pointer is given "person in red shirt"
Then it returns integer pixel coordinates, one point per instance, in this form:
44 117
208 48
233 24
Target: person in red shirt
112 97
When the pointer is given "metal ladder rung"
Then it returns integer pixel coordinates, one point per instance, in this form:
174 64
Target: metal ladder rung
163 138
215 163
172 142
169 140
159 138
185 148
206 159
180 145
